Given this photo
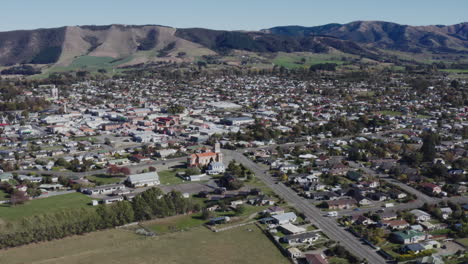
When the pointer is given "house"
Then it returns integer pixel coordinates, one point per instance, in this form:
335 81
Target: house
308 237
274 210
103 189
408 236
446 212
362 220
412 248
294 253
6 177
316 259
30 178
431 260
431 188
285 218
398 194
421 216
388 215
216 168
354 176
395 224
289 228
113 199
143 179
342 204
378 196
285 168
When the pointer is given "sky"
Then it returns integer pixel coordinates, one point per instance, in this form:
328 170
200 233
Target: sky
226 14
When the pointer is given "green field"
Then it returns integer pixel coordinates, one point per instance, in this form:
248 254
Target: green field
168 177
3 196
390 113
246 245
463 241
40 206
293 60
175 223
455 70
104 179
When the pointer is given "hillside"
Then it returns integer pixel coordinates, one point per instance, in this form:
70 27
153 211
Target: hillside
111 46
388 35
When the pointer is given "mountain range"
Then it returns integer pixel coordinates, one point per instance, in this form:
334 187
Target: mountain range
123 45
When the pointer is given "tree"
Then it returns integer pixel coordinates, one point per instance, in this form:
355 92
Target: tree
428 148
125 171
18 197
207 214
240 209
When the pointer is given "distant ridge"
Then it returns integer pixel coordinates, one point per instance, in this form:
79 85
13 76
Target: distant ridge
135 44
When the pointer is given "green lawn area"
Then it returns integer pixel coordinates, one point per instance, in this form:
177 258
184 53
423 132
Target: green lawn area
3 196
175 223
104 179
455 70
293 60
39 206
390 113
440 232
168 177
463 241
336 260
247 245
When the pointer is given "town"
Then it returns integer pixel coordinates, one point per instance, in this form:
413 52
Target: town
330 167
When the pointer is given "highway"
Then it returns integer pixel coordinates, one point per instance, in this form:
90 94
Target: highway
327 225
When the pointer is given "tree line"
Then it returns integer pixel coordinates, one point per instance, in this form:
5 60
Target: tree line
152 203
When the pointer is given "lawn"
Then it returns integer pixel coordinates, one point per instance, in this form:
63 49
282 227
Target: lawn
44 205
104 179
463 241
293 60
175 223
4 196
246 245
390 113
168 177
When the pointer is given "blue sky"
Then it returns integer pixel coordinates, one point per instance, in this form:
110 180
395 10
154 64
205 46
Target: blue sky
226 14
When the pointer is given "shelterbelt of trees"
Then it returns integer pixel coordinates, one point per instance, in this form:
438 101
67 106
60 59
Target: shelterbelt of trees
152 203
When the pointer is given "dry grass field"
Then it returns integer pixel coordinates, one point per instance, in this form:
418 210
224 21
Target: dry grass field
198 246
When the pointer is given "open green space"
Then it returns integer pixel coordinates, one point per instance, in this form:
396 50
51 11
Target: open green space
104 179
390 113
175 223
3 195
463 241
169 177
298 60
246 245
44 205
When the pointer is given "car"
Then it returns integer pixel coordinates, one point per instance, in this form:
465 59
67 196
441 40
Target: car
357 209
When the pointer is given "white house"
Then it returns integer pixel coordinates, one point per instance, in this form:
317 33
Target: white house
285 218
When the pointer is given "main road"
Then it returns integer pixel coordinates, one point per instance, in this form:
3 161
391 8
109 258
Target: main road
327 225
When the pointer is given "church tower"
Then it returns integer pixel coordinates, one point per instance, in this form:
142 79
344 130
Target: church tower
217 148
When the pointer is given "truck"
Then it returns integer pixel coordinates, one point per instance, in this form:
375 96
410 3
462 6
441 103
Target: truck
332 213
387 205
